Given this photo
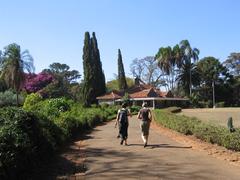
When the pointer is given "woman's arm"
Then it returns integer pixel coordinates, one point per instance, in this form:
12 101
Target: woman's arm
129 113
150 114
139 115
116 121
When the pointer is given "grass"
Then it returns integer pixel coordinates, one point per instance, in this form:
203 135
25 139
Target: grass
217 116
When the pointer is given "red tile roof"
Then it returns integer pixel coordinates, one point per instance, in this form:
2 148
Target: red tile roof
140 91
110 96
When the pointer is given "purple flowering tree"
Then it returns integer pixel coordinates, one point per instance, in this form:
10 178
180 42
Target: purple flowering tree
36 82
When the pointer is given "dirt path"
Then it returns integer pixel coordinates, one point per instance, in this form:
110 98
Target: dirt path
168 156
164 158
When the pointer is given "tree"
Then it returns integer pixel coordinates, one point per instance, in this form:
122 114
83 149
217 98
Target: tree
94 78
147 70
36 82
233 64
63 78
169 61
189 54
13 64
211 73
62 72
183 77
99 85
113 84
87 90
121 74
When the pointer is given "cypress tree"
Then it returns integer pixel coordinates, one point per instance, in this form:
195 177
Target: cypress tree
122 83
87 90
99 77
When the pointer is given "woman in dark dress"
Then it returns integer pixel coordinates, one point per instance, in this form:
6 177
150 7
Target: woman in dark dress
122 122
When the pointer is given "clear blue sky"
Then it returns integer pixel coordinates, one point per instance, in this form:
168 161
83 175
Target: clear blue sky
53 30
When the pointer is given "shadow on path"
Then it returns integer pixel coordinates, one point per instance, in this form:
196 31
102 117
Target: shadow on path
153 146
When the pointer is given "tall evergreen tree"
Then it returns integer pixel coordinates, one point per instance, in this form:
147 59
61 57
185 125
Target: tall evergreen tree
94 78
87 90
122 83
99 77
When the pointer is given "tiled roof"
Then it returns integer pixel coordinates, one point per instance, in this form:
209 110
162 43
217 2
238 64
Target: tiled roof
144 93
140 91
110 96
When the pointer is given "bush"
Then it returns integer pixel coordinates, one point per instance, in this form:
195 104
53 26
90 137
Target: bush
8 98
31 100
29 136
205 131
174 109
220 104
134 109
21 142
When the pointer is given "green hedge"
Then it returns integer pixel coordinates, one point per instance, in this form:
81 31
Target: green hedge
22 142
33 133
205 131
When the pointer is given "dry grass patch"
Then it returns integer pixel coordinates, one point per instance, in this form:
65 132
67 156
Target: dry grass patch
217 116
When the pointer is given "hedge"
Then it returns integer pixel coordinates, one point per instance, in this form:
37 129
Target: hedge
205 131
33 133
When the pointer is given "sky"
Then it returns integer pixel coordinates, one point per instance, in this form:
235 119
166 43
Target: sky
53 30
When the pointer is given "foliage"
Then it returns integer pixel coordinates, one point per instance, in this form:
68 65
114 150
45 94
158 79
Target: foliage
87 91
63 77
36 82
13 64
3 85
30 137
113 84
233 63
122 83
169 60
204 131
8 98
183 78
22 143
135 109
31 101
189 54
62 72
174 109
99 77
94 78
211 71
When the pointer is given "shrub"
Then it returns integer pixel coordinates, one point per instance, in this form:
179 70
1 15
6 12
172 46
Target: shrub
8 98
205 131
135 109
174 109
31 100
220 104
26 137
21 142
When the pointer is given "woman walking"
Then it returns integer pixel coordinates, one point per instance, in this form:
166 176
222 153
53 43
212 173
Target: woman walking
122 122
145 116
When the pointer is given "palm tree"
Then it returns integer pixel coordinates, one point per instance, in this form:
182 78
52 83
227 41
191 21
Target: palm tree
189 54
13 65
168 58
164 59
183 78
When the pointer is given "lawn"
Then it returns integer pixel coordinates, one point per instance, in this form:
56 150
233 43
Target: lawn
217 115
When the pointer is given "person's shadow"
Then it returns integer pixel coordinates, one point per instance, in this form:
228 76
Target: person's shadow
153 146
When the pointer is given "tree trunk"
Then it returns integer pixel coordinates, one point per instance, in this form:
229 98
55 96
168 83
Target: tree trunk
17 98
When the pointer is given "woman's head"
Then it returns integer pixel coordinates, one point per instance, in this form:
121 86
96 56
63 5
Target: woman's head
144 104
124 105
